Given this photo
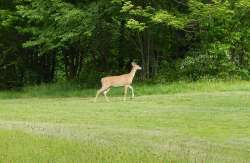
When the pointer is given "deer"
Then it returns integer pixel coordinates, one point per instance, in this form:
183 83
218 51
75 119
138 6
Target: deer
124 80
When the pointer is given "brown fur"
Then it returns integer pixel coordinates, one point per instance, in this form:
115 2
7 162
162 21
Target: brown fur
118 81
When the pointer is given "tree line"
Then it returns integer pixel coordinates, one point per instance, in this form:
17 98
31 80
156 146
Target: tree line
43 41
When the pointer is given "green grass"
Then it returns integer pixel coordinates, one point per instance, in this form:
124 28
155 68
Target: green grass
76 90
182 122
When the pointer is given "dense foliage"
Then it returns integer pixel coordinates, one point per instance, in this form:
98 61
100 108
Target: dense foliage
82 40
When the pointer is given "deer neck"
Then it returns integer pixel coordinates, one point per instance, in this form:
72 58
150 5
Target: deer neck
132 73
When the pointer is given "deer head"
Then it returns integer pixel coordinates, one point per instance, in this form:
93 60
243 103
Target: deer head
135 66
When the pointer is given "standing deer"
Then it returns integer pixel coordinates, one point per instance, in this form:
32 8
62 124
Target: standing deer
118 81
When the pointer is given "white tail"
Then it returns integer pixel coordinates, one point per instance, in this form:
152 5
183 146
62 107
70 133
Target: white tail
118 81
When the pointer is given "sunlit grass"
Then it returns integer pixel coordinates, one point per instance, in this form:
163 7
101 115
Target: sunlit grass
188 124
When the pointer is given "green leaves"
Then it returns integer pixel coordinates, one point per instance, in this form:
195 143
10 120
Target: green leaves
7 18
127 6
135 25
164 17
243 4
53 24
139 18
205 37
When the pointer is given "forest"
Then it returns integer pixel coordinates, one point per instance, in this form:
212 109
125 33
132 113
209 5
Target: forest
49 41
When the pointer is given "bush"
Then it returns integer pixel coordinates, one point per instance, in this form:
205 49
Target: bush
212 61
168 72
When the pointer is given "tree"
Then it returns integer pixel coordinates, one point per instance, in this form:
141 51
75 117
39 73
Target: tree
51 40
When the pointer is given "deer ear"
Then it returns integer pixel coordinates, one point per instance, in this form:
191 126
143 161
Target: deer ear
133 63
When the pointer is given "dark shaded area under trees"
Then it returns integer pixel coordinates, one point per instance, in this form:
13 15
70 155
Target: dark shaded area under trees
43 41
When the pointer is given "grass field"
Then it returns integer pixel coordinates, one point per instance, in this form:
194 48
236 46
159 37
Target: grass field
193 122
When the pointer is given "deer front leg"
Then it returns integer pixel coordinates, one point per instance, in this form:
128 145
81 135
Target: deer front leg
125 92
132 90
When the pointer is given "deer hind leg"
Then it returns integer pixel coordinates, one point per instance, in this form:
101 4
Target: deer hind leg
125 92
99 92
132 90
105 94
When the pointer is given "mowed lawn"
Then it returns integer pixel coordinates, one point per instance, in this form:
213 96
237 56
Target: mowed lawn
199 127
